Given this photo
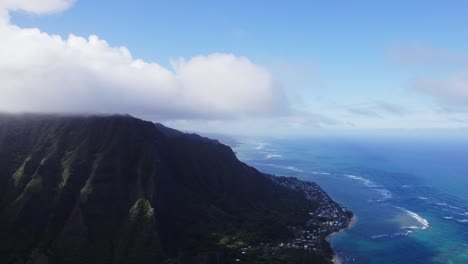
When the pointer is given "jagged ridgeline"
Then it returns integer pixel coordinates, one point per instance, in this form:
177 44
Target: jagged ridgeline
116 189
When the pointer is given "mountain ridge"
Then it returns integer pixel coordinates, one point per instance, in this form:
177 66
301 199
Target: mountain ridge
116 189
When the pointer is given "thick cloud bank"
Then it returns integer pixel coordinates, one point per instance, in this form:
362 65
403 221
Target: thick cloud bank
40 72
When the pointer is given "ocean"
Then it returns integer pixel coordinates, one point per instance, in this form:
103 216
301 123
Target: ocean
410 196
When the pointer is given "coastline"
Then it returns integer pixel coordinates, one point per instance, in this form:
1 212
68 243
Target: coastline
328 219
335 258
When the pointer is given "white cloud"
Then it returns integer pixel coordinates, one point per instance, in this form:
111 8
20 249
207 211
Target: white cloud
453 89
33 6
41 72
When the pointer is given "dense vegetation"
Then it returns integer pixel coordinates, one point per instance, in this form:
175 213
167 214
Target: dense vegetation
117 189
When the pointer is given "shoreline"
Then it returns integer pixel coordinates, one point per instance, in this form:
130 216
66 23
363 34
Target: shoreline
335 258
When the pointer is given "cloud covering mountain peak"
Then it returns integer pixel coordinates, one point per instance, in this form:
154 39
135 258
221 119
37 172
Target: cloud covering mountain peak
42 72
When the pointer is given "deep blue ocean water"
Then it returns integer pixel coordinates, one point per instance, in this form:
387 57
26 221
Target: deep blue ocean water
410 196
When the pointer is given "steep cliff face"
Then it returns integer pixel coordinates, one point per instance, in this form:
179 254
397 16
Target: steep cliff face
117 189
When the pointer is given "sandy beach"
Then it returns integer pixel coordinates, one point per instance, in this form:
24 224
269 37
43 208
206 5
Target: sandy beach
336 259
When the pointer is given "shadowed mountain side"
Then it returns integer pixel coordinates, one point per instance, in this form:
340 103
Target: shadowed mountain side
116 189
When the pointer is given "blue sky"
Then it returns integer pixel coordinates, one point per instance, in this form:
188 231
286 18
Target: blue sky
341 65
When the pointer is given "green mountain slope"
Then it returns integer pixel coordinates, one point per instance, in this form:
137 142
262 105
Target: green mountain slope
117 189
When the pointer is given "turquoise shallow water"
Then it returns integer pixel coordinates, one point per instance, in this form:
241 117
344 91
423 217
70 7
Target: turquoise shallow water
410 196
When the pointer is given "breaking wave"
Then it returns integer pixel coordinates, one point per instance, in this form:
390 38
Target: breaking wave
320 173
410 227
366 182
386 194
291 168
424 223
379 236
272 155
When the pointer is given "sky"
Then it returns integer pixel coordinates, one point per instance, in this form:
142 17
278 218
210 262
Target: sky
241 67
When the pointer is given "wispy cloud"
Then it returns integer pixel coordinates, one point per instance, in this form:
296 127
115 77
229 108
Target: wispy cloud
296 123
306 119
452 90
378 109
391 108
447 89
361 111
425 56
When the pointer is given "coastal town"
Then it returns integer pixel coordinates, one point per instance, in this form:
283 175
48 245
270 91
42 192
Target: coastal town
328 217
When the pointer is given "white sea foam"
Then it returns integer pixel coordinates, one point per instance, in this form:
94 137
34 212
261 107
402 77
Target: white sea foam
257 142
379 236
403 233
423 198
366 182
271 155
463 220
465 213
448 217
320 173
393 235
410 227
386 194
448 205
260 145
292 168
421 220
